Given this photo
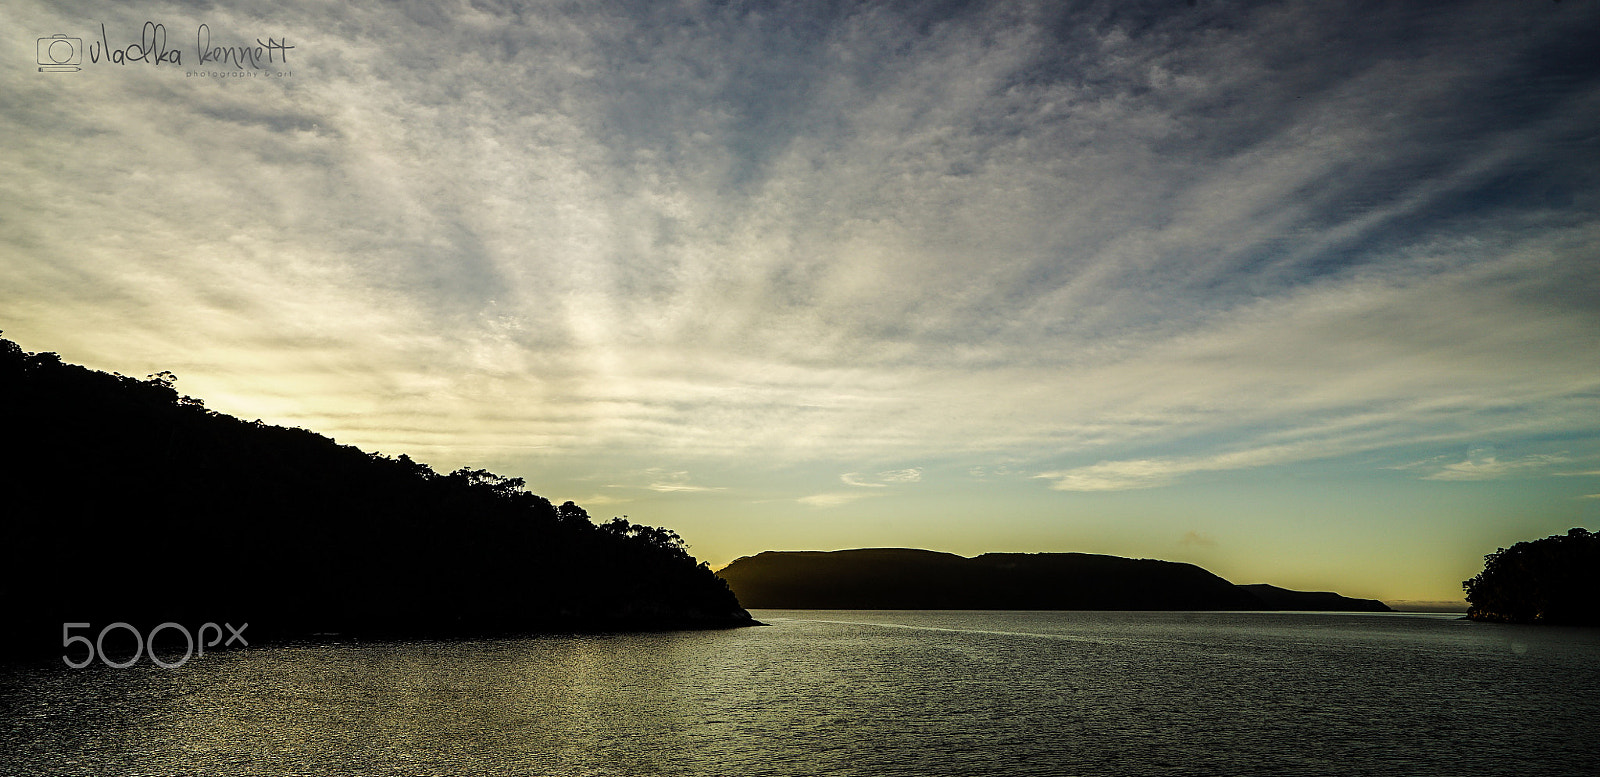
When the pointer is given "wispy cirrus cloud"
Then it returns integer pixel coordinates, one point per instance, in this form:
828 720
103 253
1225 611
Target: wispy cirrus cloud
1155 472
834 498
662 481
1484 464
1121 245
882 479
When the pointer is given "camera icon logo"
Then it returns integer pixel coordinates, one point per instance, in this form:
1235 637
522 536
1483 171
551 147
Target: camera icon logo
60 54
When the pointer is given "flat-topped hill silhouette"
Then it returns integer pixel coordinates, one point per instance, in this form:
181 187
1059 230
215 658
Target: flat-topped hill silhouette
908 579
124 501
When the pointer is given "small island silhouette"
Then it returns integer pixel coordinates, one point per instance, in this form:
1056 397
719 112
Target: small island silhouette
909 579
127 502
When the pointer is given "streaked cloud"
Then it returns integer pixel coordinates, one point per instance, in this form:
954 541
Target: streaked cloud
662 481
882 236
882 479
1117 246
834 498
1151 473
1483 463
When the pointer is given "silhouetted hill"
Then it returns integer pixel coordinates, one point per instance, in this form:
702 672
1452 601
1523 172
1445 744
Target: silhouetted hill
124 501
1276 598
1555 580
906 579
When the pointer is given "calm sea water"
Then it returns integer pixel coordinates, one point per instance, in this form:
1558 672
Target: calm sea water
850 693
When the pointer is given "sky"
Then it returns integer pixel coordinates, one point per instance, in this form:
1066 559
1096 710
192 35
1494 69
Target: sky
1303 293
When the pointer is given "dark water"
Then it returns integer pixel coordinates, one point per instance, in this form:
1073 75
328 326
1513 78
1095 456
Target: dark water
850 693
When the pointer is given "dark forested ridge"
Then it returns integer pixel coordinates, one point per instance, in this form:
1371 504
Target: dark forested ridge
1555 580
121 500
905 579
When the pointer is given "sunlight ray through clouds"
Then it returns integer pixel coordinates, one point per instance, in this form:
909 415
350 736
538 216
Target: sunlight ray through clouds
1089 251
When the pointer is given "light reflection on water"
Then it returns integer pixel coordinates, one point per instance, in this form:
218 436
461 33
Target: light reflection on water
849 693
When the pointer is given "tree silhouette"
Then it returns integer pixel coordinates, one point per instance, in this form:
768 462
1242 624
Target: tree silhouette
126 501
1553 580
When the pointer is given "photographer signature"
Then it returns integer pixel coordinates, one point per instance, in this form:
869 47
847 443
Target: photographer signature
152 48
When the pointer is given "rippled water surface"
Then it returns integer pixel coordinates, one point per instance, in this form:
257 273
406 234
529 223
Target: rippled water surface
849 693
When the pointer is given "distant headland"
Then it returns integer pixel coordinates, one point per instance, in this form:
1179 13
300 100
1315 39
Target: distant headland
909 579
